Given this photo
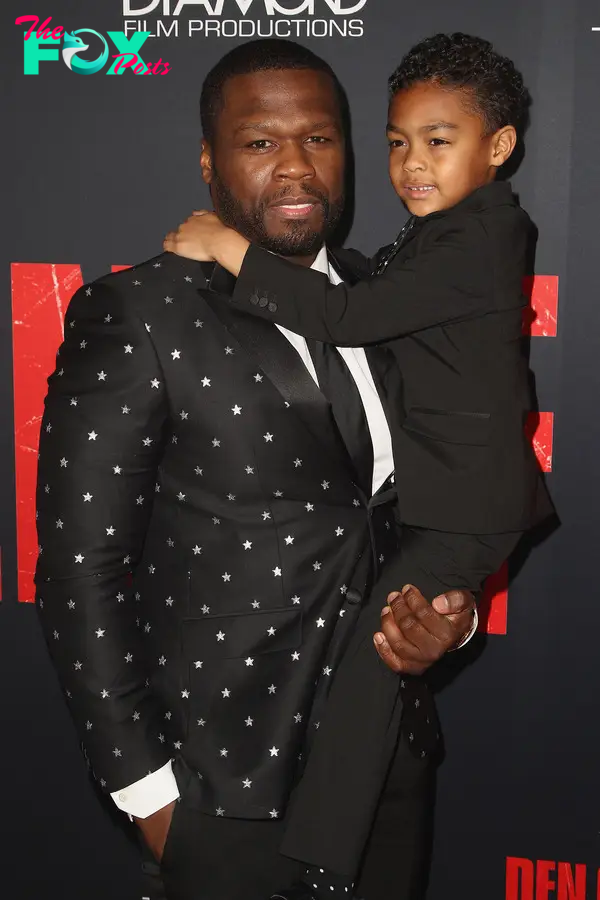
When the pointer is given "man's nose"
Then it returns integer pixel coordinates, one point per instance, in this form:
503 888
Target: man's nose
294 162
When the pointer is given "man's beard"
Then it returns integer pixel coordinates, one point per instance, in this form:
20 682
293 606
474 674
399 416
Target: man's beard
298 240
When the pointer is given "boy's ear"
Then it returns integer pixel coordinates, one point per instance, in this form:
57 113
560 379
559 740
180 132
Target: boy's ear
206 163
503 144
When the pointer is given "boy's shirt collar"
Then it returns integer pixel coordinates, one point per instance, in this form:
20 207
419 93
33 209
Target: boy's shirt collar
496 193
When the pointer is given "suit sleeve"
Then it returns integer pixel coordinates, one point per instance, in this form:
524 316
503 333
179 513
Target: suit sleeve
449 280
101 437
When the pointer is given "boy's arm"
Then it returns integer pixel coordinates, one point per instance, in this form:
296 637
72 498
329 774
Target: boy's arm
449 280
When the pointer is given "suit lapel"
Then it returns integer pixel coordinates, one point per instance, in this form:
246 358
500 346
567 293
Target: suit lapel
274 355
384 368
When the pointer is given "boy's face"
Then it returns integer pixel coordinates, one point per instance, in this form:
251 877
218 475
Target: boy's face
439 152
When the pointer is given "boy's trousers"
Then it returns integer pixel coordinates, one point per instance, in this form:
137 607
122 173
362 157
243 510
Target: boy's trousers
335 802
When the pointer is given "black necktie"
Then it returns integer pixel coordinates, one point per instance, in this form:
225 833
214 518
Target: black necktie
338 385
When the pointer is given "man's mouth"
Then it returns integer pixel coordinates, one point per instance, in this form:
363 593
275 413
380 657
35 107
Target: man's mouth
295 207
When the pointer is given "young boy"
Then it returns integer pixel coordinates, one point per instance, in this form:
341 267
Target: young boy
447 297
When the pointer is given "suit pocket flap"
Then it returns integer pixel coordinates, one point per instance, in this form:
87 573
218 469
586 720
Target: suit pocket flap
451 427
235 635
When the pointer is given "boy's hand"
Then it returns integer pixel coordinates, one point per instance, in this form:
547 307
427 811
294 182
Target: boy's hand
197 237
204 237
415 633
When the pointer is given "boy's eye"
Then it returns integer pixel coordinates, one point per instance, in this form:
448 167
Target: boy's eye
396 143
438 142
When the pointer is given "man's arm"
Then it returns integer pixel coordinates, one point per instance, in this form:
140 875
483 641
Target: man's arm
100 447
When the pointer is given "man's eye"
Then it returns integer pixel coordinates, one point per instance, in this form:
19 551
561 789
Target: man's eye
319 139
259 145
438 142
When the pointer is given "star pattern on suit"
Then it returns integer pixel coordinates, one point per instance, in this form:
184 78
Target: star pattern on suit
197 539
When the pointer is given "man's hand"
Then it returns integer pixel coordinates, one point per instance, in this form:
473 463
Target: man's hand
155 829
415 633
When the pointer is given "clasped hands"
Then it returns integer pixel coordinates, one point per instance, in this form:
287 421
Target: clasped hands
416 633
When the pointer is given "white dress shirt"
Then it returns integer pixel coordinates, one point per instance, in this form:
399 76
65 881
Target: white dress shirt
159 788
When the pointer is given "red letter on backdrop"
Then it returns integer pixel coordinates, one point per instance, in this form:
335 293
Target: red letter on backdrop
540 318
543 884
493 607
569 889
515 867
539 430
40 296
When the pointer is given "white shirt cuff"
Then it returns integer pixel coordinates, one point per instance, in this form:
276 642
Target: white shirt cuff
467 637
149 794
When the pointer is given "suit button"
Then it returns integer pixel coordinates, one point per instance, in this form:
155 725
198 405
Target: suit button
123 797
254 299
353 596
272 307
262 301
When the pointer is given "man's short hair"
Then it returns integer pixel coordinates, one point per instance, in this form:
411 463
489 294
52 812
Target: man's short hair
258 56
470 64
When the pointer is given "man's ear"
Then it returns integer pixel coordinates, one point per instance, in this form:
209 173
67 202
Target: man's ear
504 142
206 162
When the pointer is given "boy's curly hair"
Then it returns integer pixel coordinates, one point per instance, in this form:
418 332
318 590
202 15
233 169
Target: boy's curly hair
471 64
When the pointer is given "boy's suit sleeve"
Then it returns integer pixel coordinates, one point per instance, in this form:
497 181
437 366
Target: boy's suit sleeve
450 279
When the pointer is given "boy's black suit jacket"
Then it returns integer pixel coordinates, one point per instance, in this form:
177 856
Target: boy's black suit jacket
204 548
451 300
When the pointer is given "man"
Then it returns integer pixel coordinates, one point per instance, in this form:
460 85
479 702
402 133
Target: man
210 521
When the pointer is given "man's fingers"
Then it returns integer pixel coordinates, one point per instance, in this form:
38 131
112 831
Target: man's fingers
453 602
402 637
392 660
415 613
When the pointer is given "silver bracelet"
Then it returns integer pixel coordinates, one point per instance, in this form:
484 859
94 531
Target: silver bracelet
467 637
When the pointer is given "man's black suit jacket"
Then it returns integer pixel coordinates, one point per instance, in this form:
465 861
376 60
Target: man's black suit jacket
452 300
204 547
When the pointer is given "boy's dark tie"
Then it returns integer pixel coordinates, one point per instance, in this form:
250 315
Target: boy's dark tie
338 385
388 257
